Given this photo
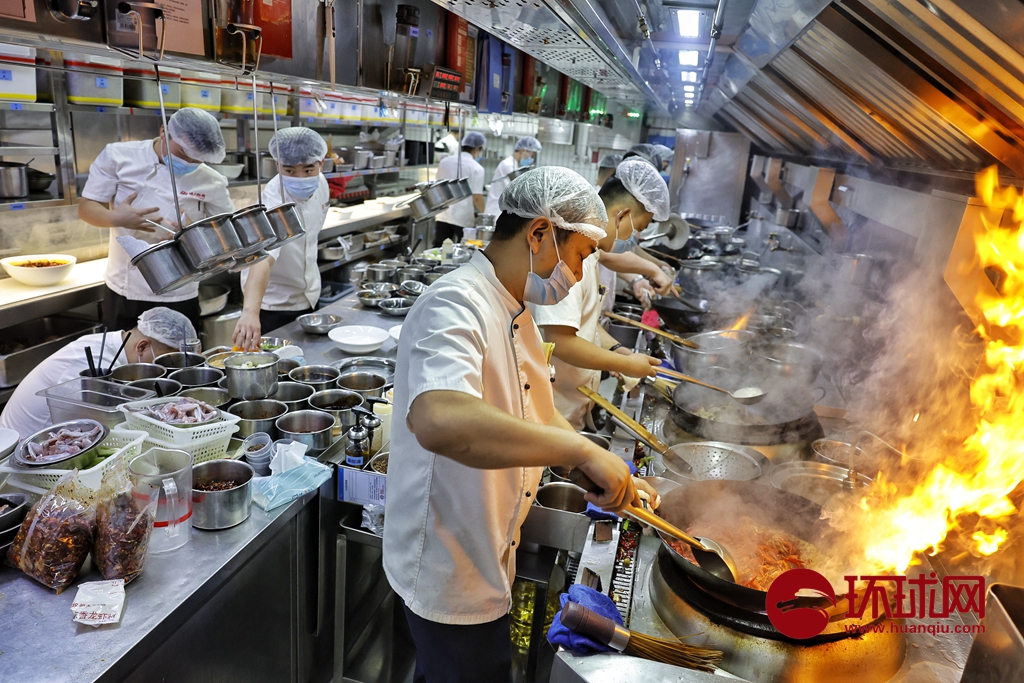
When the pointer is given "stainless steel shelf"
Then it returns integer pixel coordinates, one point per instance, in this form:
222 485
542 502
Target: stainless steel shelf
27 151
23 203
395 241
146 111
41 107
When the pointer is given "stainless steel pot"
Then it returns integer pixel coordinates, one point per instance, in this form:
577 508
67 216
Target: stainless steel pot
254 382
215 510
209 241
196 377
789 361
286 223
366 384
258 416
268 167
624 334
136 371
214 396
562 496
699 269
295 395
857 269
437 194
377 272
719 348
164 267
177 359
13 180
320 377
420 209
458 189
341 404
412 273
254 229
311 427
168 387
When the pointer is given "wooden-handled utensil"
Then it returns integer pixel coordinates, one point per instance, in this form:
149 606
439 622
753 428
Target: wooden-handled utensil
668 335
631 424
748 396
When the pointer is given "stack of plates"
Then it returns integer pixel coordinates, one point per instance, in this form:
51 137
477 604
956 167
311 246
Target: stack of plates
13 508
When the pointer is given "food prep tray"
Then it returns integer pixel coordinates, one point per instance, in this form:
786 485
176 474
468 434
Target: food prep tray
128 442
20 351
87 398
171 436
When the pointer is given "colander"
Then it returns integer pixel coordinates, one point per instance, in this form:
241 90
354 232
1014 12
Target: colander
714 460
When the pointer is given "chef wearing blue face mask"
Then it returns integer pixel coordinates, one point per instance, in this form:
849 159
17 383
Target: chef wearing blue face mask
474 425
524 155
129 185
287 285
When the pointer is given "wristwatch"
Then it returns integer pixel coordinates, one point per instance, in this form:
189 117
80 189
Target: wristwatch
636 280
616 347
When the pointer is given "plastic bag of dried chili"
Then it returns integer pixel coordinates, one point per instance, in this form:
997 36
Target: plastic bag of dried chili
124 522
56 535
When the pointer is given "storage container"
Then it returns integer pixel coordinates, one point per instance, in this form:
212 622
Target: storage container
17 82
100 82
89 398
140 87
263 88
415 114
201 90
282 95
240 100
39 480
174 436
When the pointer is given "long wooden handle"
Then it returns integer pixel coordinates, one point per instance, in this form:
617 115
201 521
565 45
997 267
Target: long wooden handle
641 431
668 335
691 380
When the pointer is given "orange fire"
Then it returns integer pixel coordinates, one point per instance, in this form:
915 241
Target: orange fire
741 322
896 523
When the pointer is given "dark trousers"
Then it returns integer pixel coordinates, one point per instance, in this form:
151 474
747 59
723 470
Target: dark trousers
443 231
271 320
121 313
446 653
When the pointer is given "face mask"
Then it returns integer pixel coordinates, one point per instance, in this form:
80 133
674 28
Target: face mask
551 290
479 158
301 188
181 167
622 246
526 161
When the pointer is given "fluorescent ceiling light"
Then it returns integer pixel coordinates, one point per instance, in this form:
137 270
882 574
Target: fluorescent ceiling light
689 23
689 88
688 57
689 76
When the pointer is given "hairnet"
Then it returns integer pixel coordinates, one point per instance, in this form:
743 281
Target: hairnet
559 194
198 133
528 144
474 140
297 145
166 326
646 152
645 183
664 152
610 161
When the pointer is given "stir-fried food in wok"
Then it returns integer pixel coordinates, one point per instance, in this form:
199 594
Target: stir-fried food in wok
761 553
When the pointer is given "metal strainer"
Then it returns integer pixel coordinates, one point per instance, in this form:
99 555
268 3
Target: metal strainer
714 460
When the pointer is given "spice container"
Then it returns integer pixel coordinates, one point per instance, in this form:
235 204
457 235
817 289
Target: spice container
357 451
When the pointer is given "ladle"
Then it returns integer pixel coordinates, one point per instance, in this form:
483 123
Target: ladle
711 556
649 328
747 396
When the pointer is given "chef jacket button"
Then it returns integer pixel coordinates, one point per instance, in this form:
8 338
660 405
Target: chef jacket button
528 494
552 380
526 386
513 544
515 326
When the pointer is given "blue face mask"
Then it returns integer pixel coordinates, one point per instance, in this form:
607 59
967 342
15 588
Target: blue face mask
622 246
301 188
479 158
548 291
181 167
525 161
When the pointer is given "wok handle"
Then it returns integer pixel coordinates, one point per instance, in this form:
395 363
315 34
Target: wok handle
649 328
651 440
637 514
691 380
599 628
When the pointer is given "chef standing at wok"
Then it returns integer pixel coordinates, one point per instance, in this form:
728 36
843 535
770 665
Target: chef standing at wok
129 185
281 288
524 155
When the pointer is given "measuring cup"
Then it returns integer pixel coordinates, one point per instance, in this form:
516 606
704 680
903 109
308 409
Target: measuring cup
166 473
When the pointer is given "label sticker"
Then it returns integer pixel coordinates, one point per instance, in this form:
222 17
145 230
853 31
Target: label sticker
205 94
101 82
6 75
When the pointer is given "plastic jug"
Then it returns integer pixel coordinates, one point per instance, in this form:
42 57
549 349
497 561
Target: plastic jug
168 473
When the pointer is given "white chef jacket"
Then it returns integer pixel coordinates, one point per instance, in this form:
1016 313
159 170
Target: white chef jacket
124 168
462 212
450 530
446 146
295 278
28 413
499 181
581 310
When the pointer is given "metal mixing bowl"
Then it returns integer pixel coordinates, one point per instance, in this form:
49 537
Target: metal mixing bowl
319 323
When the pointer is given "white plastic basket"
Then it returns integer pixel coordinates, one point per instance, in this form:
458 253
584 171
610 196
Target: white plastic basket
203 450
128 442
171 436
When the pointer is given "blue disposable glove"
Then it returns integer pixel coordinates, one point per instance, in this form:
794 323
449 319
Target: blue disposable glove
592 600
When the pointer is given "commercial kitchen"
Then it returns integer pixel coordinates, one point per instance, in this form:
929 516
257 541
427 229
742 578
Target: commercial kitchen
820 205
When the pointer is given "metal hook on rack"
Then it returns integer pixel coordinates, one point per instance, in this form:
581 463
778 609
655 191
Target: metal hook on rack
256 137
257 36
167 147
132 9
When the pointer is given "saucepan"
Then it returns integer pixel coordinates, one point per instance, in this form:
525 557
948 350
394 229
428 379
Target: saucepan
286 223
254 229
209 241
164 268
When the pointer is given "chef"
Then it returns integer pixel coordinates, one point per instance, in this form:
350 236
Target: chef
157 331
606 168
582 347
523 155
281 288
450 222
474 425
447 146
129 185
646 152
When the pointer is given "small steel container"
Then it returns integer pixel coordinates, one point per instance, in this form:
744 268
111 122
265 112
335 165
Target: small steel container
164 267
412 273
562 496
214 396
365 384
311 427
248 383
320 377
286 223
284 366
176 360
209 241
254 229
168 387
295 395
258 416
196 377
215 510
341 405
378 273
135 371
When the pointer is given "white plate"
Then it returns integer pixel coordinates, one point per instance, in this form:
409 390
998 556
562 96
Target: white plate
395 332
358 339
9 440
288 351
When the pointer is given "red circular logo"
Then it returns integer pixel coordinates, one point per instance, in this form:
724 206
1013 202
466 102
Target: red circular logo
788 618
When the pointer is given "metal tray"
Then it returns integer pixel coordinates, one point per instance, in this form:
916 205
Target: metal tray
58 331
85 398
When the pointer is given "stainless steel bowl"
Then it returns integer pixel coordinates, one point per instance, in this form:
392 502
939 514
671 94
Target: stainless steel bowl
562 496
385 367
319 323
790 361
375 272
135 371
320 377
17 507
209 241
258 416
196 377
311 427
719 348
255 382
214 510
372 299
295 395
167 387
164 268
176 360
340 404
398 306
380 287
412 273
65 461
216 360
254 229
270 344
411 288
432 277
284 366
287 224
366 384
214 396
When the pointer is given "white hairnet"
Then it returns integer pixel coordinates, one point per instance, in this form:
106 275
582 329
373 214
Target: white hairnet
166 326
559 194
646 152
645 183
610 161
664 152
297 145
473 140
198 133
528 144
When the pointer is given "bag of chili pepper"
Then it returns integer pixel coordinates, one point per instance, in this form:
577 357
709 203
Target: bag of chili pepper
124 522
56 535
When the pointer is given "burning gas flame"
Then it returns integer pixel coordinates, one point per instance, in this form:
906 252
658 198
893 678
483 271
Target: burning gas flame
741 322
977 478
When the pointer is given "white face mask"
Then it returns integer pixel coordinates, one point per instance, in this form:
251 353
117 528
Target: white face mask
549 291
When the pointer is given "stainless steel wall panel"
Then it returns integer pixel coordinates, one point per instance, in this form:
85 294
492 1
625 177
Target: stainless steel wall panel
774 24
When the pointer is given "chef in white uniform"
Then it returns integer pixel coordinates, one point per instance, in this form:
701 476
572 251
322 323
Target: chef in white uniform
462 214
129 182
524 154
606 168
157 331
287 285
447 146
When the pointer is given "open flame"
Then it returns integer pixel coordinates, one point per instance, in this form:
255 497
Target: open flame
893 522
741 322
